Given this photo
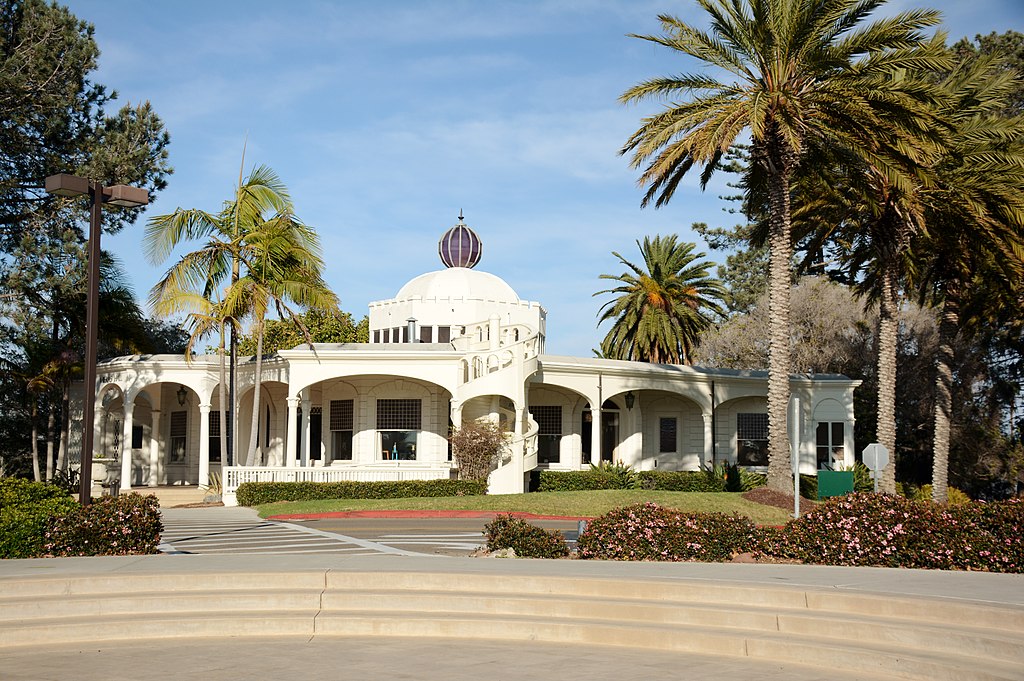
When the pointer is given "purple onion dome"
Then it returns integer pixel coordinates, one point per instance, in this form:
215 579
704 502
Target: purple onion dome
460 246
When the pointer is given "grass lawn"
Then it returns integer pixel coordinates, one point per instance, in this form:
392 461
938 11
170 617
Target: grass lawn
585 504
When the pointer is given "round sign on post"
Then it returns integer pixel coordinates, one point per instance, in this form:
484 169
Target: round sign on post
875 457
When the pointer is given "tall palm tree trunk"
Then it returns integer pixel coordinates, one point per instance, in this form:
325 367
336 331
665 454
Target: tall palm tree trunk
222 406
949 321
780 474
888 330
255 457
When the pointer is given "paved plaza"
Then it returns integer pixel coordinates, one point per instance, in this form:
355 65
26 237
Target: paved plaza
372 659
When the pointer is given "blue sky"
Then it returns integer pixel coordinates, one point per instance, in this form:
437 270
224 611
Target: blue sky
386 118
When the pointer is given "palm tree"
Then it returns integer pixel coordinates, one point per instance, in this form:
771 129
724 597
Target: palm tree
281 270
202 317
661 308
257 229
805 76
972 249
848 209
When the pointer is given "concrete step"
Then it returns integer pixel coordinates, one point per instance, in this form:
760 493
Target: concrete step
906 637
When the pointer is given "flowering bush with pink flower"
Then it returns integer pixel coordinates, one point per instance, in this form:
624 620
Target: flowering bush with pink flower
652 532
893 531
111 526
857 529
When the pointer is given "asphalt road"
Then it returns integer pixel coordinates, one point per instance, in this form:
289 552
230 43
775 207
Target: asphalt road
435 536
241 531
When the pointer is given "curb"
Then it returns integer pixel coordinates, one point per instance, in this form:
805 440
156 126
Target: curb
421 514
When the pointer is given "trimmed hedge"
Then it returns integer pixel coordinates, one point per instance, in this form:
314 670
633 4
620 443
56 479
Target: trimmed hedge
682 481
110 526
652 532
578 481
610 478
528 541
256 493
25 511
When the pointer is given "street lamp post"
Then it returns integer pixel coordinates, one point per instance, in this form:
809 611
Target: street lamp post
117 195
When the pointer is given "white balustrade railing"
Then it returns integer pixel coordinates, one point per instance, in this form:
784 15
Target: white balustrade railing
234 476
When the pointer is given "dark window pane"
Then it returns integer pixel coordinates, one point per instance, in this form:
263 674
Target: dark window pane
444 334
136 437
398 445
668 428
398 415
341 415
341 446
548 418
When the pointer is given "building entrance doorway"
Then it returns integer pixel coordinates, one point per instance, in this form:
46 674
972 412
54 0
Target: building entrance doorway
609 433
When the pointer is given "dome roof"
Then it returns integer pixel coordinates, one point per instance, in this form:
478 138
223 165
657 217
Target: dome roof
460 246
457 283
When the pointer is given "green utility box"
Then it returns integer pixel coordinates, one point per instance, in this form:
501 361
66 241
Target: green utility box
834 483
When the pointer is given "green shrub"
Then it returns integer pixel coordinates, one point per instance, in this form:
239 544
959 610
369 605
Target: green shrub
17 491
652 532
735 478
809 486
110 526
955 497
681 481
528 541
625 475
26 510
255 493
924 493
578 481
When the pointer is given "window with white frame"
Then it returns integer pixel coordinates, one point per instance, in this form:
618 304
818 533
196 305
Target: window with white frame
342 422
215 453
831 444
398 425
549 435
752 439
179 433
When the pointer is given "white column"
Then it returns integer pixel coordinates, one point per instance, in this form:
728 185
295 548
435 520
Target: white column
126 470
204 445
518 462
595 434
126 439
493 328
292 432
709 439
154 449
455 407
305 429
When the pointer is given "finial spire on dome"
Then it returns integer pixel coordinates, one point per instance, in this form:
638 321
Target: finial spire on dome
460 246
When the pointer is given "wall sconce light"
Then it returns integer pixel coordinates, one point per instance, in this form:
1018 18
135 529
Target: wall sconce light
630 400
182 394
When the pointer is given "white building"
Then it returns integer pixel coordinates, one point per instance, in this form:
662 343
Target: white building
452 345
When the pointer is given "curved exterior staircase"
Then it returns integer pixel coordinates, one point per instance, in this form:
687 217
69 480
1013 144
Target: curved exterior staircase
793 614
